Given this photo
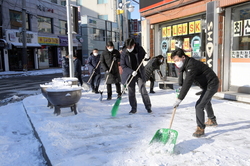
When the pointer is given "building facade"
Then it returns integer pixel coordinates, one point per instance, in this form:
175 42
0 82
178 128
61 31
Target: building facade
46 34
95 33
215 32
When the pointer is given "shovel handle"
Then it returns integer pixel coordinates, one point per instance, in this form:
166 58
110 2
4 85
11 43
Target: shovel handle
93 72
172 118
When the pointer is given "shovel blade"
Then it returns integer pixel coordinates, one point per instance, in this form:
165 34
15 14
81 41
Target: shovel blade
85 86
115 107
166 137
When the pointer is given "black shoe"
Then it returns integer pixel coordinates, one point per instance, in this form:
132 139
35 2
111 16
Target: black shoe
132 112
109 98
119 96
152 91
149 111
93 91
96 92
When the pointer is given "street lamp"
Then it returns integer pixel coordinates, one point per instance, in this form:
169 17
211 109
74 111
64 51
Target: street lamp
122 9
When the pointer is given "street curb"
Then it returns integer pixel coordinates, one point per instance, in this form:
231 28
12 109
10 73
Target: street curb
45 156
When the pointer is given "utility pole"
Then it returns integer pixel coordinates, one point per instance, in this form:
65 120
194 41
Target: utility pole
70 40
24 50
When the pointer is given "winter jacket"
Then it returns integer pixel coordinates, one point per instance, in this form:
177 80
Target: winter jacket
77 67
106 60
65 66
196 72
153 64
92 63
125 63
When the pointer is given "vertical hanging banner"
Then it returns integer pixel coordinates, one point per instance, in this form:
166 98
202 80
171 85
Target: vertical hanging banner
169 31
179 29
191 27
212 35
172 45
175 30
185 28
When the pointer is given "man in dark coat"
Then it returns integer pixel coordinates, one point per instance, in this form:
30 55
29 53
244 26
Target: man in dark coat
151 66
65 66
108 56
194 71
92 62
131 58
78 69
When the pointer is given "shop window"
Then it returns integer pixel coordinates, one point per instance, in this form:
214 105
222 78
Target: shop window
54 1
63 2
62 27
104 17
102 1
16 20
44 24
241 33
109 36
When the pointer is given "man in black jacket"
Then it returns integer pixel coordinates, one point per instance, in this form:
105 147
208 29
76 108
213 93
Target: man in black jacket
107 57
197 72
78 69
92 62
131 57
151 66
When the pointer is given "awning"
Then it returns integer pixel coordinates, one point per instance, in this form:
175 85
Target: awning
20 45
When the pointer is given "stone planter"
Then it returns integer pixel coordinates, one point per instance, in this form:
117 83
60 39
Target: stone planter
65 97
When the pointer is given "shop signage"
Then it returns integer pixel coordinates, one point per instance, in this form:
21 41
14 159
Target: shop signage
164 46
16 38
63 40
182 29
210 32
242 28
48 41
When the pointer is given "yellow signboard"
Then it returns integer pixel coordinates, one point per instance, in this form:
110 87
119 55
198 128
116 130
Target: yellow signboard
48 41
169 31
172 44
186 44
169 58
175 30
198 26
164 32
179 29
185 28
191 27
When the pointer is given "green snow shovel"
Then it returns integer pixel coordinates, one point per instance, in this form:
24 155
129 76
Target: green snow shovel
118 100
165 136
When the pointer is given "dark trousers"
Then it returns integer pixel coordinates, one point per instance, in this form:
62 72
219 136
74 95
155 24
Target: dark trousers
95 82
152 83
204 102
79 78
118 89
142 90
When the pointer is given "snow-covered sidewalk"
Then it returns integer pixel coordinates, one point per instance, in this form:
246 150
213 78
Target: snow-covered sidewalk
94 138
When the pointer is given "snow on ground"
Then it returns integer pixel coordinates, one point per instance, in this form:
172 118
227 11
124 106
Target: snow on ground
93 137
7 74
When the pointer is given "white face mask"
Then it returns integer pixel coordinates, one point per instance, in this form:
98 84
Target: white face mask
131 49
161 60
110 49
95 54
179 64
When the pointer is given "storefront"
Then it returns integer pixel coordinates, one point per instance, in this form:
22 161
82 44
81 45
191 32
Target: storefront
48 53
238 19
15 59
186 33
3 45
